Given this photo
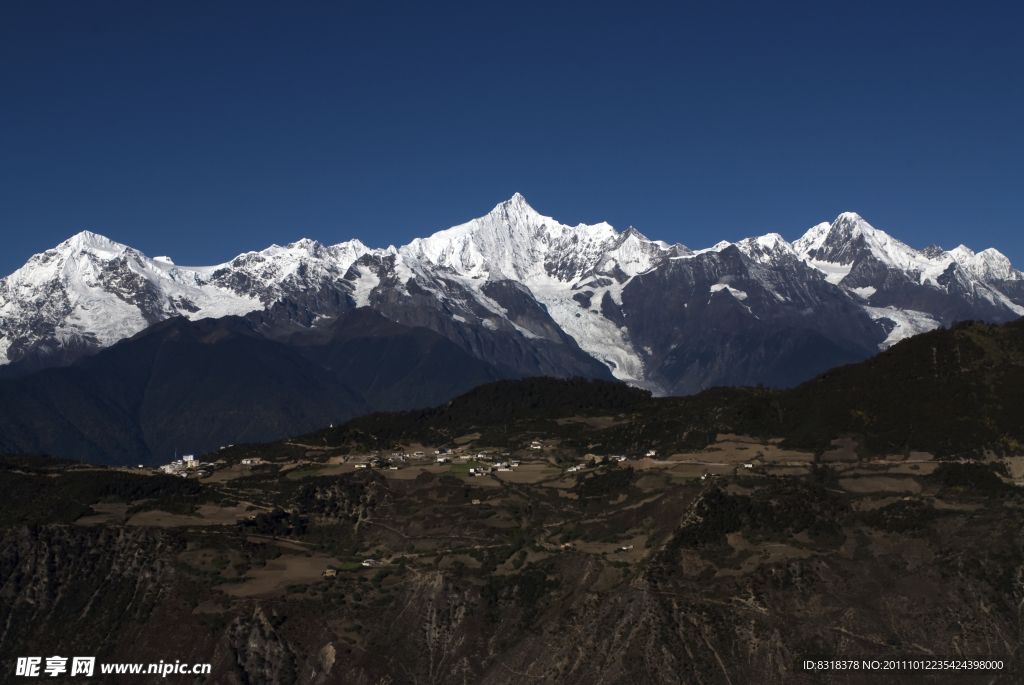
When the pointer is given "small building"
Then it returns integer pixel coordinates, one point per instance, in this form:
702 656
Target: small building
748 466
652 453
443 460
330 573
476 501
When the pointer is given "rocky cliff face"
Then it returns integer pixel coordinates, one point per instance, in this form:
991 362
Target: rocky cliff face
694 610
73 591
529 295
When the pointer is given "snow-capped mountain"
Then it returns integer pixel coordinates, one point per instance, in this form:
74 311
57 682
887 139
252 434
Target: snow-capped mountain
529 295
89 292
906 290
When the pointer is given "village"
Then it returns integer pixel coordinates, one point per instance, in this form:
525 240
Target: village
541 460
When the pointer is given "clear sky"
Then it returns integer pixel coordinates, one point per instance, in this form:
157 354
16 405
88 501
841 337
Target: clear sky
201 130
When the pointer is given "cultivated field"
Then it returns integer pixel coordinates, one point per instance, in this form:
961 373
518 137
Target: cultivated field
278 574
209 515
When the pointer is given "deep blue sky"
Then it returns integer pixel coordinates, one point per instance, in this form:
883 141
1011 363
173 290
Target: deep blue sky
202 130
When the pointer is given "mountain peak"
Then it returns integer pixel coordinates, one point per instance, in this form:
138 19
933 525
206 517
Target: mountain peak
766 248
84 245
87 240
849 218
633 233
304 244
514 206
849 237
987 265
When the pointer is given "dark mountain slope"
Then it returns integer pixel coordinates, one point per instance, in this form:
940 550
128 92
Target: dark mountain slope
775 326
190 386
392 366
460 317
950 392
196 386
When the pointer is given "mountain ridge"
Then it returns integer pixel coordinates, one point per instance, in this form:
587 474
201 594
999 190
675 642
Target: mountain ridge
579 293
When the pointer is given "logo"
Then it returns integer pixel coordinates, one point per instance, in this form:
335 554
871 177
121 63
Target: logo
32 666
